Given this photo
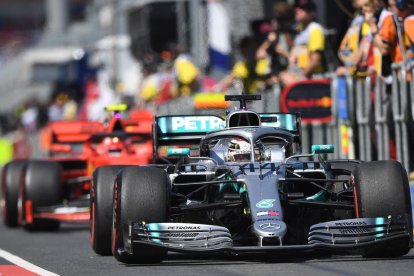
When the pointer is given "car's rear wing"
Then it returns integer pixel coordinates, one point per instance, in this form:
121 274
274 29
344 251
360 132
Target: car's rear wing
184 130
68 133
187 130
286 121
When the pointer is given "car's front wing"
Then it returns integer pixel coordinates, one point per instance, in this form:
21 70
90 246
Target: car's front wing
350 235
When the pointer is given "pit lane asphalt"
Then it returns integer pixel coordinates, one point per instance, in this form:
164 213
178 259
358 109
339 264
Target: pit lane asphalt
67 252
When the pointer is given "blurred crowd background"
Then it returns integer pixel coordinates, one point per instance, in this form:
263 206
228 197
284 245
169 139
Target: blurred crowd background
68 59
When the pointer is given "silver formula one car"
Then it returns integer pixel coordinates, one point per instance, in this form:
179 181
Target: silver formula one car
241 185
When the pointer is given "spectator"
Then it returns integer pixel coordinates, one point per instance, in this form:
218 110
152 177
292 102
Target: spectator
149 89
69 109
92 93
55 111
29 116
358 51
396 38
392 6
185 71
374 13
307 55
167 85
278 42
349 45
247 69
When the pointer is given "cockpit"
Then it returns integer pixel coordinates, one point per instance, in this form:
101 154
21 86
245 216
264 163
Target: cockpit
238 149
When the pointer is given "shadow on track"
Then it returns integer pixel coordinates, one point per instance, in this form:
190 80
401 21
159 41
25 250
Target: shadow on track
225 259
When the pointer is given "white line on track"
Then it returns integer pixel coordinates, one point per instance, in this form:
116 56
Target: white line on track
25 264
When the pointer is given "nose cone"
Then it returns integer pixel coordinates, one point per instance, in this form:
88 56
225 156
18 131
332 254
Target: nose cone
270 228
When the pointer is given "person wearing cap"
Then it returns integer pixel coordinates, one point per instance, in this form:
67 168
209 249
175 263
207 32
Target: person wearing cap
396 38
306 55
400 23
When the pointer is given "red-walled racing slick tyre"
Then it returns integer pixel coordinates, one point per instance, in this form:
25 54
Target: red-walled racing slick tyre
140 194
101 208
11 176
42 187
380 190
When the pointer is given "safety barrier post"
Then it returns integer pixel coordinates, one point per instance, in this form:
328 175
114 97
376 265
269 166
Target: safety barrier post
271 100
332 134
347 129
363 107
305 137
399 107
318 133
411 68
381 127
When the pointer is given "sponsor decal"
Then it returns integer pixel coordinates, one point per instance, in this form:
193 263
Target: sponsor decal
183 124
269 226
310 103
351 223
182 235
359 227
311 98
267 213
184 227
265 203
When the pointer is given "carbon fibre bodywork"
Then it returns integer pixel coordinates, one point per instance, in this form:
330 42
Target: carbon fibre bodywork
262 195
77 148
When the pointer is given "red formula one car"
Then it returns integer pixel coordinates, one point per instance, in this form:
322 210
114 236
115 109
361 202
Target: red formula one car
41 193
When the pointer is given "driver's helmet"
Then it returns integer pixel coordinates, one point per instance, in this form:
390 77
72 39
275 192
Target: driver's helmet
239 150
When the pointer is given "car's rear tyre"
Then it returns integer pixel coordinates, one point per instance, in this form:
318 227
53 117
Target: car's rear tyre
381 188
10 186
141 194
42 186
101 208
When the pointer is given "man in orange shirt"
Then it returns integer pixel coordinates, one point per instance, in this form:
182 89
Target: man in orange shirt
396 36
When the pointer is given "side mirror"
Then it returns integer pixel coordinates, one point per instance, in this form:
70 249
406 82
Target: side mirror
316 149
178 152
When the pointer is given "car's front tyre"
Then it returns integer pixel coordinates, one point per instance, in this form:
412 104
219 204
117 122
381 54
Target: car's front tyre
141 194
101 207
381 189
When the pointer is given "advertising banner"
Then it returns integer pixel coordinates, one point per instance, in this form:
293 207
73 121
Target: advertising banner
311 98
